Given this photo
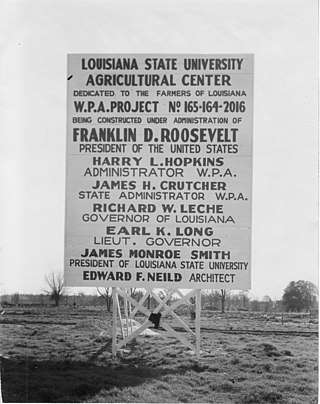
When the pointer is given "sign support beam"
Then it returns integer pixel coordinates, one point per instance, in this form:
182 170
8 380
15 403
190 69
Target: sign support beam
195 342
198 323
114 322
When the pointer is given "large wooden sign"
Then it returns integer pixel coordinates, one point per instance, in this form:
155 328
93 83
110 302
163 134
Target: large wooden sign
159 171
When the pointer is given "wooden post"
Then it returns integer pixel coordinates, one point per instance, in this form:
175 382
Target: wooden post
126 311
114 321
119 314
198 321
131 320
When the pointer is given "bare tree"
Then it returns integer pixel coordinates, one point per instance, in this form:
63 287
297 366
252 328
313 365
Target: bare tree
133 292
267 303
210 299
223 295
244 300
56 286
15 299
107 296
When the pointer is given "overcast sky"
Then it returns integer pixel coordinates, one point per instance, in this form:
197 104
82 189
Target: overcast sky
35 38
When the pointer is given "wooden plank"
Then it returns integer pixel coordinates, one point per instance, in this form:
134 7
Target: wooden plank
178 302
182 296
180 293
119 314
125 302
126 340
130 319
198 321
141 301
180 321
114 321
162 302
175 334
135 303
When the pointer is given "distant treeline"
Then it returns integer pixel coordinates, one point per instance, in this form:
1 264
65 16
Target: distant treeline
42 300
210 300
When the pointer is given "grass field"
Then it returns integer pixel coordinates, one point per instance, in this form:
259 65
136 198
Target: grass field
64 355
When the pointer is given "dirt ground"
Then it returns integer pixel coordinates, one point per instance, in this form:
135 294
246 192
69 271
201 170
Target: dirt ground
64 355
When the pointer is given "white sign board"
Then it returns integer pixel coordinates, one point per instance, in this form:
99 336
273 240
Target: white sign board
159 171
